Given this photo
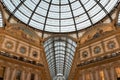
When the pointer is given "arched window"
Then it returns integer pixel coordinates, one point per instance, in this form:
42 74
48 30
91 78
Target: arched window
1 19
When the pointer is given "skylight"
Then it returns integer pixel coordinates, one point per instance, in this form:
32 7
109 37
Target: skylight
59 53
60 15
1 20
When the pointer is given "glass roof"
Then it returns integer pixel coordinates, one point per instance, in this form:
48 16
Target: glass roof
59 53
118 19
1 20
60 15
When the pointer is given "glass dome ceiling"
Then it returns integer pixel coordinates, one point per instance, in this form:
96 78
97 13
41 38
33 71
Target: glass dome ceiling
60 15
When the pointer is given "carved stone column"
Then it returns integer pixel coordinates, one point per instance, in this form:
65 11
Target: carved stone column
7 73
106 74
23 75
92 75
112 72
97 75
39 76
36 77
13 74
83 76
28 76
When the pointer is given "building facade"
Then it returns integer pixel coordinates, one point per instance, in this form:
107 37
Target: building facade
62 40
22 55
98 53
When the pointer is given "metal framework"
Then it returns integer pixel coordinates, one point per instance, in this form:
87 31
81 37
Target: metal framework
60 16
59 53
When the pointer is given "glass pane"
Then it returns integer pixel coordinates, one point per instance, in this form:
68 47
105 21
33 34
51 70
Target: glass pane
61 15
61 55
1 20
